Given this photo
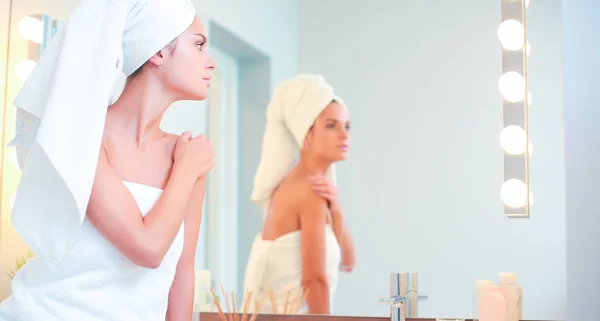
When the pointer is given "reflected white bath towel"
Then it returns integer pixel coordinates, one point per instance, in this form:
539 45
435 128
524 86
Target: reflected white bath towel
277 266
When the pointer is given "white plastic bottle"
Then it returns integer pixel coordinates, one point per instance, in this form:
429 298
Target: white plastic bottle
492 305
513 295
477 296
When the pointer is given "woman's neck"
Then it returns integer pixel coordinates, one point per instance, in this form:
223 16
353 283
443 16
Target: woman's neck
139 110
313 165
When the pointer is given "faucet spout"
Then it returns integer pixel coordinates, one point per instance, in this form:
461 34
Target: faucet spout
403 296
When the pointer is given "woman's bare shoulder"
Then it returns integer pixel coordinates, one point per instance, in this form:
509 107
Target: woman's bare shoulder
293 196
302 193
171 139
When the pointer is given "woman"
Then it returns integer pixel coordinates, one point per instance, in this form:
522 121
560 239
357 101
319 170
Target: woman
110 204
293 263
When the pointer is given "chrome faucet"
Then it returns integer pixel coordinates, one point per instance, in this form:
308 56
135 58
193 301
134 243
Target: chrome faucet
397 301
403 296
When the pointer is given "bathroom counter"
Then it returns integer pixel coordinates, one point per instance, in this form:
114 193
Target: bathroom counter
213 316
204 316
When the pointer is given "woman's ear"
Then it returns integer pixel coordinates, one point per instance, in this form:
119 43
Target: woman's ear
159 58
308 139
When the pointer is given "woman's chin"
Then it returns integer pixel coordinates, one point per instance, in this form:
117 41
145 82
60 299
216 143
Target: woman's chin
198 96
342 156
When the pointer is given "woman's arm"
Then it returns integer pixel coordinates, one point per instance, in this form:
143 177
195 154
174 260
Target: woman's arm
342 234
115 213
181 296
313 216
327 190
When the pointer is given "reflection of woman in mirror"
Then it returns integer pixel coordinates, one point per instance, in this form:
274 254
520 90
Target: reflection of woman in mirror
294 262
110 204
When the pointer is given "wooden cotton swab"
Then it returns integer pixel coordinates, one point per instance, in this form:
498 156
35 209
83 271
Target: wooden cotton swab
287 301
246 305
234 303
295 298
259 305
302 300
218 304
272 299
229 317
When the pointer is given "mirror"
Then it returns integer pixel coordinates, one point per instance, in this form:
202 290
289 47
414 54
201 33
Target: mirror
420 191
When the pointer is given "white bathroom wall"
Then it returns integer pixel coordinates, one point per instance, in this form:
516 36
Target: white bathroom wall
582 121
421 188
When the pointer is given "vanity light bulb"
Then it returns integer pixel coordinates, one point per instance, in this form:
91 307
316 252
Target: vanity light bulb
511 34
514 193
513 139
526 3
528 49
530 148
512 86
32 29
529 98
24 68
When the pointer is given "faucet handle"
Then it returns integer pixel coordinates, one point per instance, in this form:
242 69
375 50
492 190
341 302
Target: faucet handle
394 302
397 301
387 301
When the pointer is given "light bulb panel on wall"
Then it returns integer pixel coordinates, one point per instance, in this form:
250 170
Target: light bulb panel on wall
513 84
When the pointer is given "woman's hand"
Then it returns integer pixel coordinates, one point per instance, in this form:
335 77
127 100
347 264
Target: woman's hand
195 154
324 188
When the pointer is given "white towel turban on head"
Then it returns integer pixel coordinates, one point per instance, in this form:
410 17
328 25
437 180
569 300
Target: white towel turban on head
296 104
62 107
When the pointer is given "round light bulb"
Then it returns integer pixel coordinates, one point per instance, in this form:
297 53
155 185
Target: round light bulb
526 3
512 86
514 193
530 148
528 49
511 34
529 98
32 29
513 139
24 68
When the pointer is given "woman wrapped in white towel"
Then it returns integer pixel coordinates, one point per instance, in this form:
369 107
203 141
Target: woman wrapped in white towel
294 261
110 204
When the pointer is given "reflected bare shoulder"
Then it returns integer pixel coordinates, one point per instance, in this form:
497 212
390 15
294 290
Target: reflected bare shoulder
306 197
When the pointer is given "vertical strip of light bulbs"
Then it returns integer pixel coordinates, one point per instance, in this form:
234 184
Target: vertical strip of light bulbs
513 85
